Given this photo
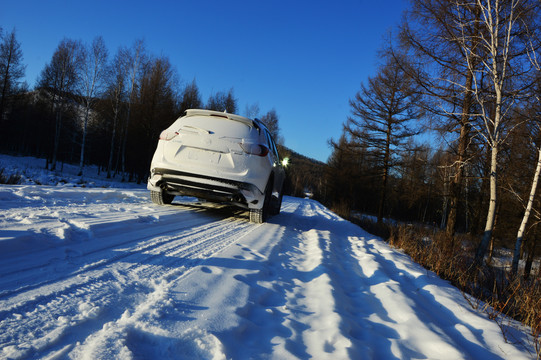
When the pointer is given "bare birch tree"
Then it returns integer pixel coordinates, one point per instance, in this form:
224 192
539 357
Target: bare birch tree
500 66
116 92
533 189
526 216
91 73
252 111
60 78
134 59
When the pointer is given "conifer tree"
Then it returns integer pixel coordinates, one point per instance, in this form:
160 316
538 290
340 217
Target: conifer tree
381 118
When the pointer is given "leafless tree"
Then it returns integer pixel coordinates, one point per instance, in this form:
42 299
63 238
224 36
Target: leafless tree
91 73
501 64
156 104
11 67
223 102
534 48
60 78
116 94
134 58
252 111
433 37
270 119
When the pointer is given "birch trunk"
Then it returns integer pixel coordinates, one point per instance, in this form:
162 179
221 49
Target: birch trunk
58 127
82 157
498 18
456 184
522 228
111 150
134 65
93 65
489 226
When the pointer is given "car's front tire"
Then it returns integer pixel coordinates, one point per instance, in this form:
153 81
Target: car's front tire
161 197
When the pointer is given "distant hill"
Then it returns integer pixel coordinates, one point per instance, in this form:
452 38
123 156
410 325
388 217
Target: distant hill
304 174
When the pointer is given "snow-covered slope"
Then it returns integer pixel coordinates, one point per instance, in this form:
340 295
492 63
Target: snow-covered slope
103 273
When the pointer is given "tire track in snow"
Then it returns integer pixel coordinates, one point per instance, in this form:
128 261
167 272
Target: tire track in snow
67 254
290 307
145 318
74 256
112 254
335 293
313 300
67 305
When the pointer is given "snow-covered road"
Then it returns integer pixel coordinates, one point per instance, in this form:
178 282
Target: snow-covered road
103 273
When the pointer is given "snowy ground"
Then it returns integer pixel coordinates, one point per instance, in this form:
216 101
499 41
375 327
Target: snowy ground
31 171
103 273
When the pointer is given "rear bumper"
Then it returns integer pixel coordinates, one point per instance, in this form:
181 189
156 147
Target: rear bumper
206 187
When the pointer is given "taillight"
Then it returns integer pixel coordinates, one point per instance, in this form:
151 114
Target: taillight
255 149
168 135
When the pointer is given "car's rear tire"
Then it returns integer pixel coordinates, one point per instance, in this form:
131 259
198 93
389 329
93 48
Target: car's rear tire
161 197
259 216
256 216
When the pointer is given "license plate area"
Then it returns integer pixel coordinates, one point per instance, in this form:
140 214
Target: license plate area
204 156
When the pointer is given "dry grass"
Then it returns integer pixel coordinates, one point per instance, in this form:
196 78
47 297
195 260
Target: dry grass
382 230
342 209
10 180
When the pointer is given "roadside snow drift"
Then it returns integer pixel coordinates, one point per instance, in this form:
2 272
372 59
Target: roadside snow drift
103 273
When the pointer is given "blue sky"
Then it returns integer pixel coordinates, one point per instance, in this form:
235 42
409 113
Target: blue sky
306 59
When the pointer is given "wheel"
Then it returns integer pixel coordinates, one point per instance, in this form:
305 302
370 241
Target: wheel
256 216
276 204
161 197
259 216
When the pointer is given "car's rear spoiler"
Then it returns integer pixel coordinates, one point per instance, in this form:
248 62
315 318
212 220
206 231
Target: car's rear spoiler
242 119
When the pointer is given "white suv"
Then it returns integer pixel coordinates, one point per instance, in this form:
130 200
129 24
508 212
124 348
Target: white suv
219 157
